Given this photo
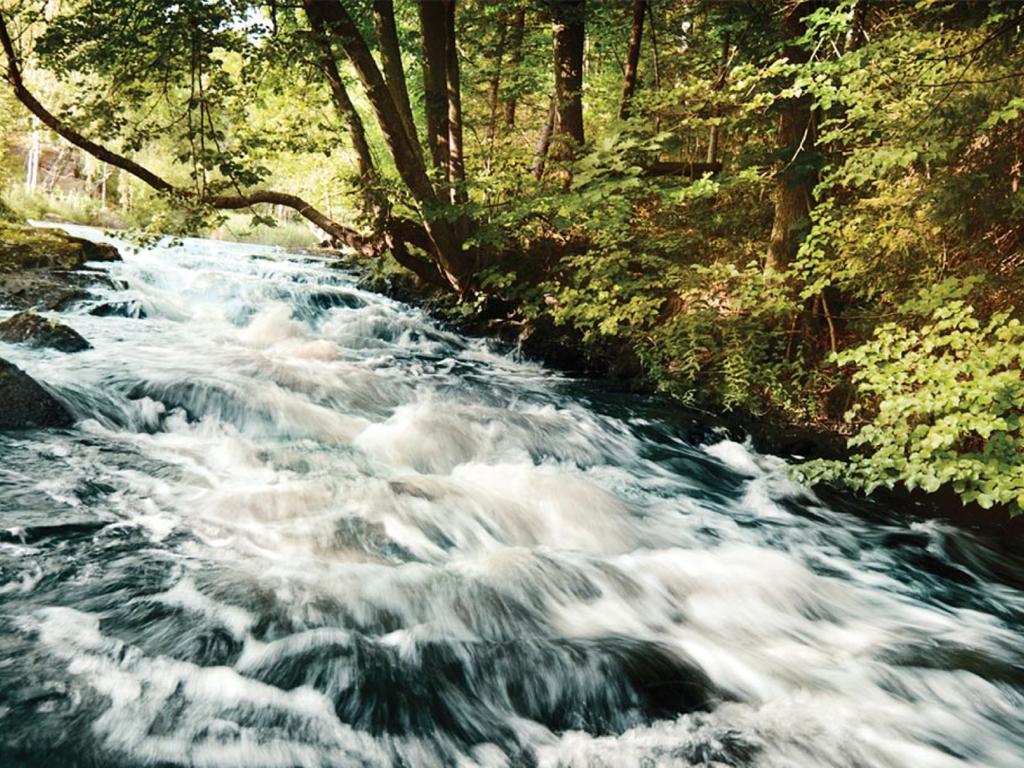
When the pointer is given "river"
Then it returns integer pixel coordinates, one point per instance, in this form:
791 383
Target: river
300 524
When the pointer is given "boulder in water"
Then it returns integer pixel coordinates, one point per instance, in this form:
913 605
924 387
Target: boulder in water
130 309
35 331
24 404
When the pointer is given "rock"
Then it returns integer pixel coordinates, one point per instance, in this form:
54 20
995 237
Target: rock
24 404
35 331
129 309
40 267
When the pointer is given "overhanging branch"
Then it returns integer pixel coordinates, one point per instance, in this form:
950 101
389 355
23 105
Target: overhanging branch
341 233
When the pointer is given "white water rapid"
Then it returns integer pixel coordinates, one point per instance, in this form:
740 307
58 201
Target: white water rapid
299 524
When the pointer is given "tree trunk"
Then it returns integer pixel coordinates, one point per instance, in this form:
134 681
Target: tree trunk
343 104
855 34
494 87
714 136
540 154
515 59
374 205
569 33
434 35
794 179
632 57
654 48
406 153
456 165
391 61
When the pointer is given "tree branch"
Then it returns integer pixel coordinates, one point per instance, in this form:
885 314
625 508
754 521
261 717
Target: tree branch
339 232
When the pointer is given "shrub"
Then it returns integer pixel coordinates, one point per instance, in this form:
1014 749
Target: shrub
942 401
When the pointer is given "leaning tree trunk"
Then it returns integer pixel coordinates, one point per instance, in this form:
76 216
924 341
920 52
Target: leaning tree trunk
344 106
794 178
632 58
446 248
391 61
569 31
434 35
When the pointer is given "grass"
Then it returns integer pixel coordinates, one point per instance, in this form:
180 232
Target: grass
75 208
82 209
287 234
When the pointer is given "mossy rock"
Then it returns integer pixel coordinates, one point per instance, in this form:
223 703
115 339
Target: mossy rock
37 266
23 247
35 331
24 404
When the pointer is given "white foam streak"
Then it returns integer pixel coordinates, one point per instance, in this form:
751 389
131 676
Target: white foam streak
353 477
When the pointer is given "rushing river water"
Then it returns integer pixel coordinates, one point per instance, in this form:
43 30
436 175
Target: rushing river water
298 524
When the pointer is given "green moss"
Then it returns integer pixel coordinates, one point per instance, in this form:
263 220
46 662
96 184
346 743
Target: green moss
23 247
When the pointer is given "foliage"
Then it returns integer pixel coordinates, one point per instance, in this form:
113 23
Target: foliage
914 150
942 404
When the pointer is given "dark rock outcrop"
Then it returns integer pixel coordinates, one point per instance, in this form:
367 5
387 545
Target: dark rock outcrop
24 404
35 331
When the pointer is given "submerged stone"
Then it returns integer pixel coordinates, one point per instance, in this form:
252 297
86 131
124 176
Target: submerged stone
35 331
24 404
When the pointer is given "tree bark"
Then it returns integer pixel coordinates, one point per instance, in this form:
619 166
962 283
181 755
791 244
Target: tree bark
494 86
434 35
343 104
714 134
515 59
632 57
654 48
855 37
391 61
569 33
341 233
540 153
794 180
456 161
406 153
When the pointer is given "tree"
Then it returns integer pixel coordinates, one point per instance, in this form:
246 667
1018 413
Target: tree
434 39
445 245
201 195
633 58
515 60
796 169
569 32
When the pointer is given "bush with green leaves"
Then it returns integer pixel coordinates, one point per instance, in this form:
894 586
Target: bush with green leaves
941 404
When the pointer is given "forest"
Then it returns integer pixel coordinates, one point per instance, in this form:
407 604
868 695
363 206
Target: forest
808 212
521 384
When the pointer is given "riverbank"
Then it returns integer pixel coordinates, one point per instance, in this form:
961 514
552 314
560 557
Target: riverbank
45 269
616 365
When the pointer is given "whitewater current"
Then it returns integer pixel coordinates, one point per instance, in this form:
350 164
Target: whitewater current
297 523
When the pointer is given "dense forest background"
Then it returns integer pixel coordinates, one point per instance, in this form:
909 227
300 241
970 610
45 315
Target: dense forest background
807 210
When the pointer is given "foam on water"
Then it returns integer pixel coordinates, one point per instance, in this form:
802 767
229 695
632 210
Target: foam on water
298 524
